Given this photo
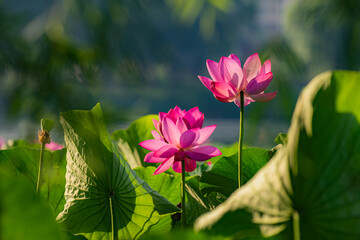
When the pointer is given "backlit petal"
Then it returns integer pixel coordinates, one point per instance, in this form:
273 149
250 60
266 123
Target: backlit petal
266 67
177 166
175 113
188 137
161 116
259 83
152 144
156 135
264 97
151 159
194 118
206 81
213 68
223 90
170 131
190 165
180 124
251 67
247 101
203 153
225 100
157 124
232 72
178 110
224 74
204 134
164 166
166 151
235 58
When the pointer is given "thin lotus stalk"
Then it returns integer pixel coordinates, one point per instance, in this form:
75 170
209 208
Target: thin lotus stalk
183 212
41 160
44 138
242 85
241 136
296 225
114 235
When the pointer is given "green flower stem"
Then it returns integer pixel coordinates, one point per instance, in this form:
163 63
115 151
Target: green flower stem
39 180
114 235
183 212
296 225
241 136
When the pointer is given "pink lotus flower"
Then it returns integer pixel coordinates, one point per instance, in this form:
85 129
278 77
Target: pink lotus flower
2 142
179 137
229 79
53 146
192 118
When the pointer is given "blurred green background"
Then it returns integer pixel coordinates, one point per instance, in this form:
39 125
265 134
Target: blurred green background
139 57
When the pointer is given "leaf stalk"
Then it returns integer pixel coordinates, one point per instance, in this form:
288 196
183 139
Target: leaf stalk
114 235
296 225
39 179
183 212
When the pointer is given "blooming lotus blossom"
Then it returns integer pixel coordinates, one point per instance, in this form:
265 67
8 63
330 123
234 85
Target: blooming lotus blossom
179 137
192 118
2 142
53 146
229 79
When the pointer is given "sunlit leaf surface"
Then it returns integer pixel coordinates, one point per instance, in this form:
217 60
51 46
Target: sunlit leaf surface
128 140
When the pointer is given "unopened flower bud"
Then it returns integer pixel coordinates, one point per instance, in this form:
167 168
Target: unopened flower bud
44 137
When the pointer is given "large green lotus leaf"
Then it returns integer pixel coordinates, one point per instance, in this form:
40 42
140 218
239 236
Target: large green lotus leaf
166 185
310 188
223 176
23 214
128 140
23 161
105 199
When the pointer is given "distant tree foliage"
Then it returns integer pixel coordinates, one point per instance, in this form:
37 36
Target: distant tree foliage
142 56
76 53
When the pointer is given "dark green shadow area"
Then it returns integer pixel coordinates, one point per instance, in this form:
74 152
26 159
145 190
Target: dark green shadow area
24 162
23 214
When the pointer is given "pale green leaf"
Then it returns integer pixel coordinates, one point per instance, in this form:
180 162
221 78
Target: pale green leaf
128 140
